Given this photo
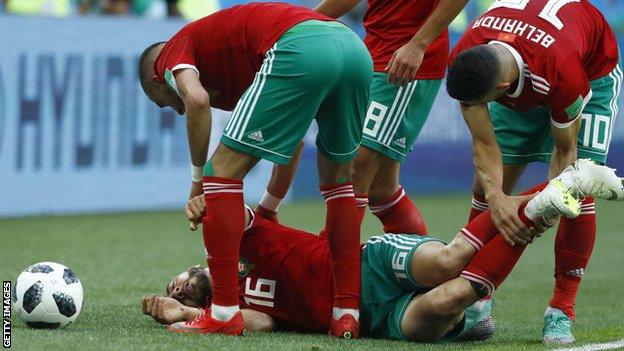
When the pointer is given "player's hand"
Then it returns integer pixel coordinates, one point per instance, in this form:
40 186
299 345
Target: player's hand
505 217
195 209
404 63
196 190
165 310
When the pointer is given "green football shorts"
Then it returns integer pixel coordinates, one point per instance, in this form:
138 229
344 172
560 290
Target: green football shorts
316 70
397 114
387 286
525 136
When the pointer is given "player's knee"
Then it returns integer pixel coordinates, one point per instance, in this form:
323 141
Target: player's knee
446 303
448 264
332 172
362 163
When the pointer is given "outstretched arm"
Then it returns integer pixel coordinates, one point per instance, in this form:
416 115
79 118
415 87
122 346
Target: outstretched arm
167 310
406 61
198 122
488 163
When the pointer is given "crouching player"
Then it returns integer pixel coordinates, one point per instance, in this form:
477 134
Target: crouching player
413 287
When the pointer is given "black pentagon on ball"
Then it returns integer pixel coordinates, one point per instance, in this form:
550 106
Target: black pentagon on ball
70 277
43 325
32 296
39 268
65 303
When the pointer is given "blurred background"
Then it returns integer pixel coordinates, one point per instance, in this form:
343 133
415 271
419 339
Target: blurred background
77 134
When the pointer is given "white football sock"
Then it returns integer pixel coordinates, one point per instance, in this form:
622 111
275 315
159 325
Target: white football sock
339 312
223 313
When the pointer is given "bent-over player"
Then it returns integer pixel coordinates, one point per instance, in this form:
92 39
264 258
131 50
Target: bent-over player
550 73
278 67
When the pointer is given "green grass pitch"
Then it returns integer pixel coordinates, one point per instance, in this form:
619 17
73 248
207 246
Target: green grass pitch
122 257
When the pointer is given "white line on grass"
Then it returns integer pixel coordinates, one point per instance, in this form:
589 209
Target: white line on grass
594 347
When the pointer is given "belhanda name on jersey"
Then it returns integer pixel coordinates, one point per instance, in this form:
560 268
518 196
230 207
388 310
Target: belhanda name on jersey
516 27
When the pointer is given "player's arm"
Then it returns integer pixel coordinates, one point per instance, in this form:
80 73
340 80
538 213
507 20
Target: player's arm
167 310
566 107
565 150
336 8
198 122
406 60
281 179
488 163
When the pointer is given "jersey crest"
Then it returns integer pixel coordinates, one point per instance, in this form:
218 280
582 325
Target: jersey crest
244 267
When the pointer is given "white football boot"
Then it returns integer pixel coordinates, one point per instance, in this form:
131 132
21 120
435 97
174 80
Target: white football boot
556 199
586 178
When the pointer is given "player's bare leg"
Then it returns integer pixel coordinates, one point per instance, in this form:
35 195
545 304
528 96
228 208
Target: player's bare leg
223 226
434 314
574 245
343 237
377 176
511 175
281 179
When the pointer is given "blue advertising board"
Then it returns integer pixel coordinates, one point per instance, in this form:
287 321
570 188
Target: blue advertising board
78 135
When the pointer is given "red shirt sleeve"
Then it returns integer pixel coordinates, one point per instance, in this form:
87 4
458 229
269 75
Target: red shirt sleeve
178 53
571 94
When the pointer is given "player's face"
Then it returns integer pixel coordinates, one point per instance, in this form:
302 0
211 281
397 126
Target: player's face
162 96
491 96
192 287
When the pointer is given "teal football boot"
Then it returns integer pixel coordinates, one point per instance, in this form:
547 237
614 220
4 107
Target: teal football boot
557 327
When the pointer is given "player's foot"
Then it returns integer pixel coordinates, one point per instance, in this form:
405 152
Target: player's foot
346 327
557 327
556 199
479 324
586 178
205 324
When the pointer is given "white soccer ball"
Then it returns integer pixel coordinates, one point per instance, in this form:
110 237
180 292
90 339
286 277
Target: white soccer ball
47 295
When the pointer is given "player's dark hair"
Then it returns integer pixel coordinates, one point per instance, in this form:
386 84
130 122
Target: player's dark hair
203 284
473 73
145 69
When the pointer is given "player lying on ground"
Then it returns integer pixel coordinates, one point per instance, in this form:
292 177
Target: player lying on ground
413 287
278 67
538 80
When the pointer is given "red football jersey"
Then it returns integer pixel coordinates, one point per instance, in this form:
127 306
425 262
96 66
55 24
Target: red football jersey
286 273
559 45
227 48
391 24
